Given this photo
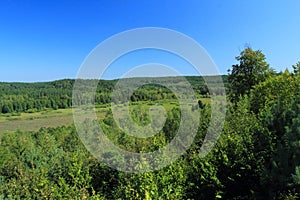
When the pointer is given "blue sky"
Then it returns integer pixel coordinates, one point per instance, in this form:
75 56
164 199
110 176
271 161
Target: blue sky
48 40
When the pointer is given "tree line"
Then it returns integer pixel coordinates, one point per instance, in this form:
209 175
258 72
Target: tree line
32 97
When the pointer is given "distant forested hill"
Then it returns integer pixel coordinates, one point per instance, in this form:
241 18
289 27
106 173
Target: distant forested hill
31 97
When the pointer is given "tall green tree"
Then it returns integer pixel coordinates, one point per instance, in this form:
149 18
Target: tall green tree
281 175
251 70
282 87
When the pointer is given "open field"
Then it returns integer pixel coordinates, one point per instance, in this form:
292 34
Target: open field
54 118
34 121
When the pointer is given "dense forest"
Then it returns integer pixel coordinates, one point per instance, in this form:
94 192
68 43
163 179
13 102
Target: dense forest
32 97
256 157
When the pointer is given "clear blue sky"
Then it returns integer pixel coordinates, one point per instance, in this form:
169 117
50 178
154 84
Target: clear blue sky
48 40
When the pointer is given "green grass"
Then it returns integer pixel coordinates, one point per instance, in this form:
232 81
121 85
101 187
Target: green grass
34 121
54 118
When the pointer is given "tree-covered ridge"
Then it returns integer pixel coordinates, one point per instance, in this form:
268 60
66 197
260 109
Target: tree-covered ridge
31 97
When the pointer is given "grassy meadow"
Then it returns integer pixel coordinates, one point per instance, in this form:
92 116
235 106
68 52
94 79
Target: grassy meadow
52 118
